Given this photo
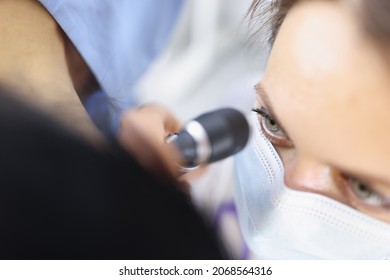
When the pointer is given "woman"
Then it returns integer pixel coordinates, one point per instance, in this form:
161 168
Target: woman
322 189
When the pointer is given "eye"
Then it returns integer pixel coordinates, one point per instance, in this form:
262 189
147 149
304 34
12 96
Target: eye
365 193
271 125
271 129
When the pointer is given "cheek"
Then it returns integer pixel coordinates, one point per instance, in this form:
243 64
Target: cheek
285 154
351 135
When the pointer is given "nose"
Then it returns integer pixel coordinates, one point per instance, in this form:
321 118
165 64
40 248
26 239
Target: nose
305 174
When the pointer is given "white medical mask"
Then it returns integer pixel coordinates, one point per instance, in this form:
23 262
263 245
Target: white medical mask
281 223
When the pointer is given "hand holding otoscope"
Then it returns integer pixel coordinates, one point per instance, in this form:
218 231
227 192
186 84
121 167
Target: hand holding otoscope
210 137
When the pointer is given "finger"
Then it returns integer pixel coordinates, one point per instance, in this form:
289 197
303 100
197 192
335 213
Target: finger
171 123
143 132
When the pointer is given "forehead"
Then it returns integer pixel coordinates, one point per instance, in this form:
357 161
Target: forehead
329 86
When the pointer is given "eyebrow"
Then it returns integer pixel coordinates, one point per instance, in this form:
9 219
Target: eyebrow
264 97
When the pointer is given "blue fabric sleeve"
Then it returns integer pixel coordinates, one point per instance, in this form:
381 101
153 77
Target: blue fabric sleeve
117 39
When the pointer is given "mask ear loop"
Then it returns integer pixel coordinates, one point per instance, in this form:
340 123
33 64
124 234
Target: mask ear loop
262 144
268 158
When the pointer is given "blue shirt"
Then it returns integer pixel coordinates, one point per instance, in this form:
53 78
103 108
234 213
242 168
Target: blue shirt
118 40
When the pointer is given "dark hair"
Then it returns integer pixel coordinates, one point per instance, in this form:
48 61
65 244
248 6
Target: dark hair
62 199
270 14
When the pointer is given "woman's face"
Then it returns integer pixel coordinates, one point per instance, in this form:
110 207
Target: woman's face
326 92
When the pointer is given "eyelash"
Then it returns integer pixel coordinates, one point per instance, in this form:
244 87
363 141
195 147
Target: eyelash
374 200
280 140
355 192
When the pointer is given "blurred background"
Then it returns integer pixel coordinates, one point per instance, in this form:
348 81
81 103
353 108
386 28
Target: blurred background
208 61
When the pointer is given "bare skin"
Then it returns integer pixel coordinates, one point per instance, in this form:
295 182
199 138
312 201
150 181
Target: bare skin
148 127
40 63
327 88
